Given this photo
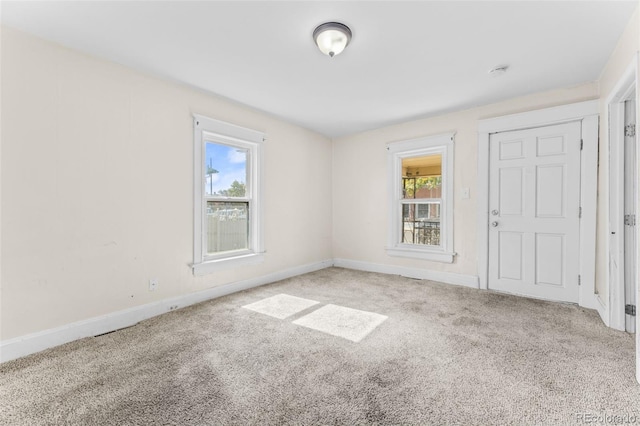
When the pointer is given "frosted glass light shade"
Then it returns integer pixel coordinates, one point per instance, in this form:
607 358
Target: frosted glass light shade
332 38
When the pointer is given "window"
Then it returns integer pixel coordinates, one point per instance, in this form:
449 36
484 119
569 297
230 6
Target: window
421 198
227 198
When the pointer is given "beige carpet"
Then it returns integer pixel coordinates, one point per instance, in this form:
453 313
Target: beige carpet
281 305
444 355
350 324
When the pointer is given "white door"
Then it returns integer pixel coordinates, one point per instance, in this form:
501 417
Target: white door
534 207
630 211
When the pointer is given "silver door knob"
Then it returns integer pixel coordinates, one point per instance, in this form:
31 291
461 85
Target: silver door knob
494 212
494 224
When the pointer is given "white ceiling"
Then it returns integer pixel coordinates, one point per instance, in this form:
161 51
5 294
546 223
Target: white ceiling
406 60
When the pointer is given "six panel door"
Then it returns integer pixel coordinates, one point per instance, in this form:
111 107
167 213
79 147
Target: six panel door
534 202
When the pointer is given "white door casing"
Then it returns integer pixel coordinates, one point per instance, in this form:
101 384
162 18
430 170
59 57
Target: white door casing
587 114
630 191
534 200
621 99
612 306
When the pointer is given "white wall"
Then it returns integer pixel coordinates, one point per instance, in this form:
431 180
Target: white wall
97 187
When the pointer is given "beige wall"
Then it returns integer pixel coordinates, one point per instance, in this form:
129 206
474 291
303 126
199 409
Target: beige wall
97 187
361 160
96 175
360 208
621 58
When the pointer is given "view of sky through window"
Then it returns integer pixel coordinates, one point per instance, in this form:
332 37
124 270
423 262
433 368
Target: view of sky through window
225 170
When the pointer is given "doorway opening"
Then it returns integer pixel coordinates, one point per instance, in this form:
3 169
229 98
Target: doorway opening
623 195
623 202
630 209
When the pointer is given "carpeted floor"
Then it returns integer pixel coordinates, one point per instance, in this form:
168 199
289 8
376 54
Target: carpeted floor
444 355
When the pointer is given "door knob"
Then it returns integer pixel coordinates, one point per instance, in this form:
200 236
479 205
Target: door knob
494 212
494 224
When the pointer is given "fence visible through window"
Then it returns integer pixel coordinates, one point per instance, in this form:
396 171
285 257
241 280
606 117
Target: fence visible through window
421 200
421 224
227 226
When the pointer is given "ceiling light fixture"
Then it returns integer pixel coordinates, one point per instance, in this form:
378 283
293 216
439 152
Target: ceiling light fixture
332 38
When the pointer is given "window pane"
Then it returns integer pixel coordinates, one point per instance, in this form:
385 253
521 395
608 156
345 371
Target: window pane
421 224
227 226
422 177
225 170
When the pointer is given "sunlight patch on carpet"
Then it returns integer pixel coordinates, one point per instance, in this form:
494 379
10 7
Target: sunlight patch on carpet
347 323
281 306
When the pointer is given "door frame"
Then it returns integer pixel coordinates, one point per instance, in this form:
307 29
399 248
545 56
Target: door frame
613 309
587 114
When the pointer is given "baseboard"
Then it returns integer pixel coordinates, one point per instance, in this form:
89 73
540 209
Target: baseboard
424 274
592 301
602 309
36 342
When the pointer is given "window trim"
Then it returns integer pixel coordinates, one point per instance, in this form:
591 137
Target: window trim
438 144
208 129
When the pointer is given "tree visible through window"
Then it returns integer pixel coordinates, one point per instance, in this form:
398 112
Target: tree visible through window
227 195
227 216
420 177
422 196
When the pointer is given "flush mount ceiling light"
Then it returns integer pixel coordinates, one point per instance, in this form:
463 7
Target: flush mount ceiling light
332 38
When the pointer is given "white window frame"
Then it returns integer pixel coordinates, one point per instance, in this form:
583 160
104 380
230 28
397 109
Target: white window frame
430 145
209 130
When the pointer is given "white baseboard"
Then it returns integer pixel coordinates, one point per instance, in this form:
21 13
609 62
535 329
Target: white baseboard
423 274
36 342
602 309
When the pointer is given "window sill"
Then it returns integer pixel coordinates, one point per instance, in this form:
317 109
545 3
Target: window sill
425 254
210 266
